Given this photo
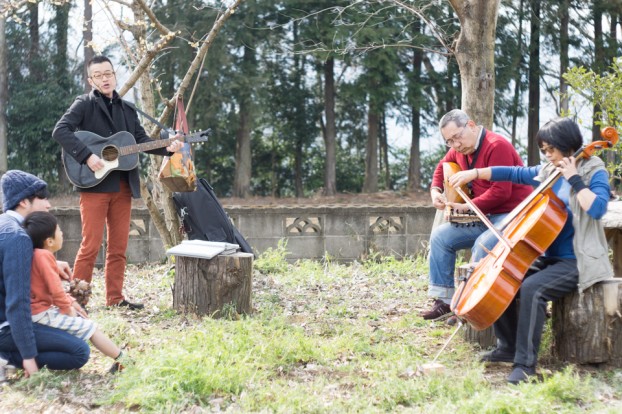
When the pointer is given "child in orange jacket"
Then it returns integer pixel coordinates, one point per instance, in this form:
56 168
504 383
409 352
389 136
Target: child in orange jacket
50 304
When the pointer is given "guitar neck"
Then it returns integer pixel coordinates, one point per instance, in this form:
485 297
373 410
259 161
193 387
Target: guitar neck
147 146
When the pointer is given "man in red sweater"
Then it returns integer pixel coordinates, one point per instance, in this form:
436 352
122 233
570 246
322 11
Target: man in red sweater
471 146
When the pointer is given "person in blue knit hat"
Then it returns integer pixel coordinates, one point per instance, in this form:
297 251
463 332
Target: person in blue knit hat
22 343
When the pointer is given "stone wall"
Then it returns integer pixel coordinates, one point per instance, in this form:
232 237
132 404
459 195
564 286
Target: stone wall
345 233
144 243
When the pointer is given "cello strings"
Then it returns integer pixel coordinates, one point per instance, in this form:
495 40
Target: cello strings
482 216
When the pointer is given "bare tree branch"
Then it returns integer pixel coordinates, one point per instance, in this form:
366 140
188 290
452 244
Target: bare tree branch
194 66
151 15
436 31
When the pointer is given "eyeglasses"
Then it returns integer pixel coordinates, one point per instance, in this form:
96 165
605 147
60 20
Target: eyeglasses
105 75
547 150
450 142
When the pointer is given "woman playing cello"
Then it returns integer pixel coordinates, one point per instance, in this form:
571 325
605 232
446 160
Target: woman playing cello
577 257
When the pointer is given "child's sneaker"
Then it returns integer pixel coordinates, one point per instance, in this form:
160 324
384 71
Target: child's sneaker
119 363
116 367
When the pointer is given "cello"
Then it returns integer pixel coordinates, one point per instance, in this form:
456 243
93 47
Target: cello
523 235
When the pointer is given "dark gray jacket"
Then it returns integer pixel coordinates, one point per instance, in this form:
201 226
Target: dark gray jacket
89 113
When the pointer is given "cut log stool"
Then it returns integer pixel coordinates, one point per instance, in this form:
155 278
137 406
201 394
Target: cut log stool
587 328
213 286
485 338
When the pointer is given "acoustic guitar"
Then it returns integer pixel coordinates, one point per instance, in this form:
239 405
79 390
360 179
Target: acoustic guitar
451 195
118 151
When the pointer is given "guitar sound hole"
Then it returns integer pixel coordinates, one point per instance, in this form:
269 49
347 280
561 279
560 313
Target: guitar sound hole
110 153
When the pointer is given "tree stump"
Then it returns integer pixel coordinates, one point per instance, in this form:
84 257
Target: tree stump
485 338
587 328
214 287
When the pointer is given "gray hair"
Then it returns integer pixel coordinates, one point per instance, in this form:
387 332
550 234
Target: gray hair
457 116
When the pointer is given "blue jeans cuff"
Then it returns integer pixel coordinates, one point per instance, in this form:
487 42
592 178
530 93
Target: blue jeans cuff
443 293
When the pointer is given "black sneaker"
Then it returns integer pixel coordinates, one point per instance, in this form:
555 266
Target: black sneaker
521 373
498 355
130 305
453 319
440 310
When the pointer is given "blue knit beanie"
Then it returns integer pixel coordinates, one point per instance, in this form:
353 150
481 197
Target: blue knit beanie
18 185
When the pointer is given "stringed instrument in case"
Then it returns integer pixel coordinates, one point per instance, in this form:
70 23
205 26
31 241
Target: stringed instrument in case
527 232
118 152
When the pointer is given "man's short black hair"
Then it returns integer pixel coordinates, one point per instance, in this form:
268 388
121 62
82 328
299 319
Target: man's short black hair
40 225
98 59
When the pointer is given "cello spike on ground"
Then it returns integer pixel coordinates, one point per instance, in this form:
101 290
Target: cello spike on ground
435 367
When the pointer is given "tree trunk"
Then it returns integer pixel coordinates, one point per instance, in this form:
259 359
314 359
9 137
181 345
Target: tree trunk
384 150
63 78
242 179
414 161
87 39
300 109
33 31
4 98
475 55
370 185
214 287
330 134
61 21
564 60
518 74
298 160
533 125
599 62
587 328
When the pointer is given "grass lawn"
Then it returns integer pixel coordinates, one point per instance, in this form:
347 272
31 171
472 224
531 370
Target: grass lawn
324 337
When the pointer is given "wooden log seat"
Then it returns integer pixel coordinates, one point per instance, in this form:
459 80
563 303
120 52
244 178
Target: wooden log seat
214 287
587 328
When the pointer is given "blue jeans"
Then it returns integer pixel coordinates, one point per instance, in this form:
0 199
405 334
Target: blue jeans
445 241
57 349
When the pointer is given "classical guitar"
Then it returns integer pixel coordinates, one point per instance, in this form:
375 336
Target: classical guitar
118 151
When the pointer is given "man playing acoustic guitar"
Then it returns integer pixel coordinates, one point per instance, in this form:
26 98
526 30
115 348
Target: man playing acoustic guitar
104 113
470 146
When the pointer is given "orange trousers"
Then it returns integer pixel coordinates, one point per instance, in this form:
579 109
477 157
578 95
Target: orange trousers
114 211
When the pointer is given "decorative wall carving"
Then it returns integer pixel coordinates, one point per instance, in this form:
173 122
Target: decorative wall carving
298 226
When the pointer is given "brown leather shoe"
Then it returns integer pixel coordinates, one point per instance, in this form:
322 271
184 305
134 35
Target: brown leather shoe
440 310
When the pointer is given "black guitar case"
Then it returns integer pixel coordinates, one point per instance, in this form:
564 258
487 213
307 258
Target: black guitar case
204 218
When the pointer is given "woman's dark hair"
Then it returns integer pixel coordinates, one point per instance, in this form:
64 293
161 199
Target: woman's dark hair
561 133
40 225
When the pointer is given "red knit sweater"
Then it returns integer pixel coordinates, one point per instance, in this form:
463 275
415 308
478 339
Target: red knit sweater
491 198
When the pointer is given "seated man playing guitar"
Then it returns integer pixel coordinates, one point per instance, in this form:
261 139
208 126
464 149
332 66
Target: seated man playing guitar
470 146
109 202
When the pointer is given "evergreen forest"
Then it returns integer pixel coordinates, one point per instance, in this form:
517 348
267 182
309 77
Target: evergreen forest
303 96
